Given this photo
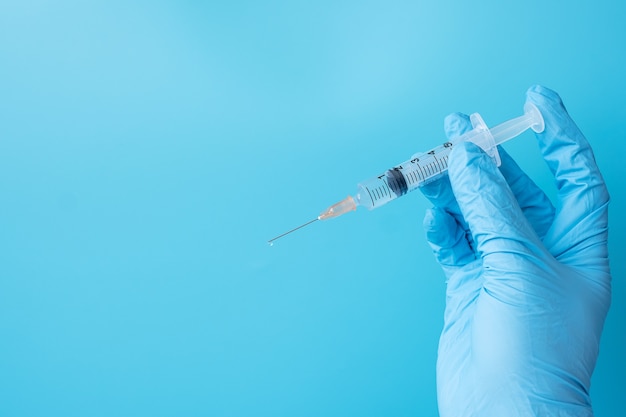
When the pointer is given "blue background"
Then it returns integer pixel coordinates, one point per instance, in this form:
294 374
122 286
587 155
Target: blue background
149 149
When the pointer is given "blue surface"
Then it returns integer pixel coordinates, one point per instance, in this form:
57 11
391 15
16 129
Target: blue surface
148 150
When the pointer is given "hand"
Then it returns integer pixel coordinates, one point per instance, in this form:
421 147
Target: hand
528 284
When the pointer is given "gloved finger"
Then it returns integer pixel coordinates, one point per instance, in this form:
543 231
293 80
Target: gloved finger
463 272
535 204
582 220
502 233
448 240
439 192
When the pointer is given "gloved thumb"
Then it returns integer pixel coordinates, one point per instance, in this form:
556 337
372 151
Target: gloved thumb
447 239
496 221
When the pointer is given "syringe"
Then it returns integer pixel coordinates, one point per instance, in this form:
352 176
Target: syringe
425 167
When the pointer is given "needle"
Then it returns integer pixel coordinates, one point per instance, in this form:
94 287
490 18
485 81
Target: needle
292 230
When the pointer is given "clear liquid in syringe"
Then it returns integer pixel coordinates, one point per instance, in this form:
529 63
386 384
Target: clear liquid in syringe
409 175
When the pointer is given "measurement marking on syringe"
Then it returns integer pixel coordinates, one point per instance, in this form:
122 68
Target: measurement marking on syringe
423 171
441 168
370 194
423 177
378 193
430 168
443 162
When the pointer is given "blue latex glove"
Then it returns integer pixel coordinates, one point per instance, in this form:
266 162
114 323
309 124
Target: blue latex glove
528 284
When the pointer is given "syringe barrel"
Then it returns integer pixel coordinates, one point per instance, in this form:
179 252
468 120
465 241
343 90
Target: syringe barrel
399 180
